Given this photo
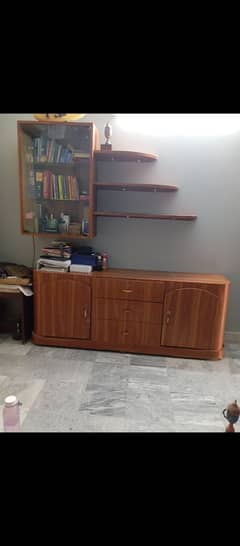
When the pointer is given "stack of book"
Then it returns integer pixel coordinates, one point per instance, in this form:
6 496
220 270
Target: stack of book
55 257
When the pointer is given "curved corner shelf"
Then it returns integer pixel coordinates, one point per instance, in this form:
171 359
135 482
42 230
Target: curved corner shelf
135 187
186 217
119 155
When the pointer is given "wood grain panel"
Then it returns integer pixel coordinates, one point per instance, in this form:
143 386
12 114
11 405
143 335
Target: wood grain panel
192 317
62 306
126 289
126 333
130 310
140 274
177 352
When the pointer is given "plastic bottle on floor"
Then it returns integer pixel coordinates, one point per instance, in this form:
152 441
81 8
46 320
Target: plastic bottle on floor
11 414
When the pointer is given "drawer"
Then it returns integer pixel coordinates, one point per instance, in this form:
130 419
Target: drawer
128 311
125 289
130 334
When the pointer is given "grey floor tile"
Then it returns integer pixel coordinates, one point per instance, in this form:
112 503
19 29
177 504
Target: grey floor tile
99 423
149 361
162 425
151 374
45 421
199 427
40 420
13 347
234 365
60 353
232 350
108 372
36 367
148 404
112 358
184 382
104 401
68 390
60 396
194 365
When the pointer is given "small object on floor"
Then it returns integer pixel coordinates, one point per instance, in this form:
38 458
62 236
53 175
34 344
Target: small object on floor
231 413
11 414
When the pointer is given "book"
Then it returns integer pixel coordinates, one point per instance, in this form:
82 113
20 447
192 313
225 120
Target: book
53 263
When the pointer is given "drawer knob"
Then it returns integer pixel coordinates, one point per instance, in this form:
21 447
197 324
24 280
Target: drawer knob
127 291
125 333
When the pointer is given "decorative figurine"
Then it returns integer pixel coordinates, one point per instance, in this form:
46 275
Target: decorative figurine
231 413
107 134
52 225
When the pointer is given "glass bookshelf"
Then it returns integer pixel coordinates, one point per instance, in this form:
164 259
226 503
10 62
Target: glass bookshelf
56 174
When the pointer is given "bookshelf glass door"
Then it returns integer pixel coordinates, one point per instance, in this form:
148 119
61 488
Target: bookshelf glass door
55 171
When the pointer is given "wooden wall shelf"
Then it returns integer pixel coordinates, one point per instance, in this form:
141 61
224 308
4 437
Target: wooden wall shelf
187 217
135 187
120 155
39 145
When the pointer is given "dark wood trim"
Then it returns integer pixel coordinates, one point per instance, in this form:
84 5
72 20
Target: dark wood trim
141 274
120 155
135 187
177 352
186 217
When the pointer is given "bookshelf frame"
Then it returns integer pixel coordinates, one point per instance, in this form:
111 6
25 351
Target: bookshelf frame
34 130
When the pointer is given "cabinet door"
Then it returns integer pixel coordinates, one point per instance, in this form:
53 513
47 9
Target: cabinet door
193 317
62 306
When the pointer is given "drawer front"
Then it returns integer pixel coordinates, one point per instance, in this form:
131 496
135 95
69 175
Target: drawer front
129 334
124 289
128 311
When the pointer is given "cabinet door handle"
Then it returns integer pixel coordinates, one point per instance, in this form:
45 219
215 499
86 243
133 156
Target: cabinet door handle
125 333
85 313
168 316
127 291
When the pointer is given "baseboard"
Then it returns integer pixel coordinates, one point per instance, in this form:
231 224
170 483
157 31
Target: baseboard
232 337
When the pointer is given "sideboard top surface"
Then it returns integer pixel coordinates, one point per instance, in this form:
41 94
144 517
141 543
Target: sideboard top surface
138 274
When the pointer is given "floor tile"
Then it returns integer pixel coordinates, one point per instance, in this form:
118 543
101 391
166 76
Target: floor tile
68 390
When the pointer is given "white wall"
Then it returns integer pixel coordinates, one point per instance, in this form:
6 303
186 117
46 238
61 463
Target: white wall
207 171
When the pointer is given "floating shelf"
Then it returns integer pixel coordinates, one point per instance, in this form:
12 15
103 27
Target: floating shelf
56 235
135 187
64 200
187 217
118 155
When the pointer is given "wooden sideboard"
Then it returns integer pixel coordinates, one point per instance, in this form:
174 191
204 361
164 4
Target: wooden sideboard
132 311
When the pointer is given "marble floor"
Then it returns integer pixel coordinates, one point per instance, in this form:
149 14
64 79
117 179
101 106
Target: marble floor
73 390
